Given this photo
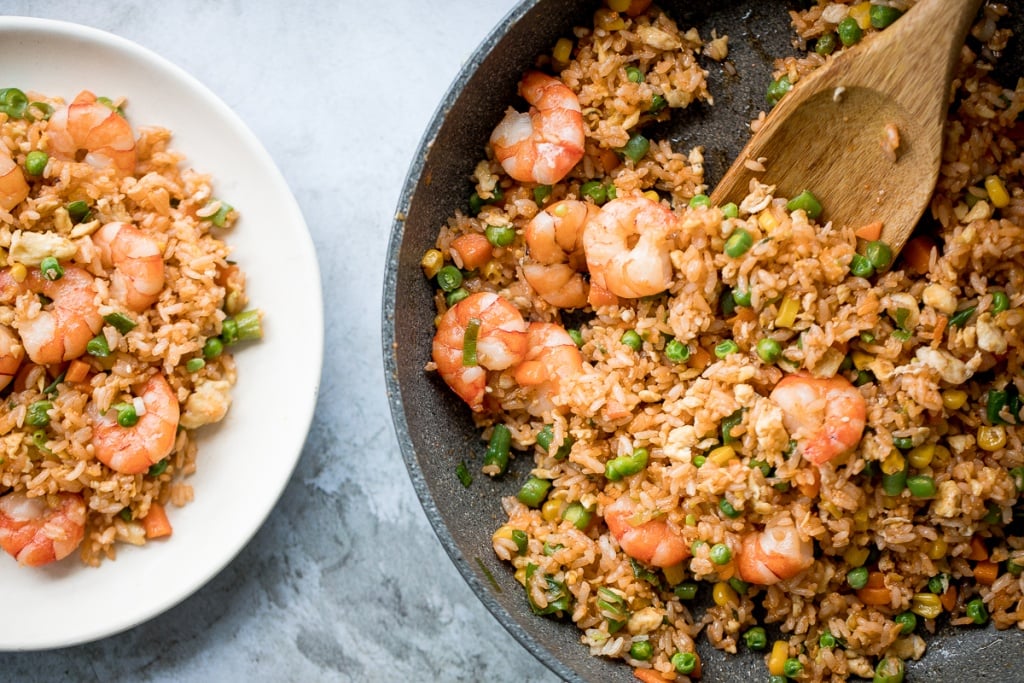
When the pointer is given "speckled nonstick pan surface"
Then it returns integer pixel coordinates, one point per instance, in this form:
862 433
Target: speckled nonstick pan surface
433 426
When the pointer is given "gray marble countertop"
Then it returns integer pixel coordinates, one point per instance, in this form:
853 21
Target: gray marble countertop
332 587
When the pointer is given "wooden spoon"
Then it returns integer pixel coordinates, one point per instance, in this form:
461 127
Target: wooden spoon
834 132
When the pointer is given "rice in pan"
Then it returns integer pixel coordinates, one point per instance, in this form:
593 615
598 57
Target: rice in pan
117 299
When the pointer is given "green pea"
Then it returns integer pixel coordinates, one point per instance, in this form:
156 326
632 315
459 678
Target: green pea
808 202
449 278
195 364
857 578
38 414
632 339
730 210
541 193
921 486
883 15
826 639
938 584
742 298
726 347
777 679
769 350
687 590
976 611
738 243
35 162
642 650
594 190
658 102
126 415
78 211
861 267
636 148
907 622
158 468
700 200
763 465
879 254
1000 302
684 662
889 670
533 492
634 74
756 638
904 443
777 89
720 553
849 32
699 460
792 668
500 235
826 44
728 509
211 349
893 484
676 351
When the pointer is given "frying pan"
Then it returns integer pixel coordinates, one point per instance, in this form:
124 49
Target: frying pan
434 429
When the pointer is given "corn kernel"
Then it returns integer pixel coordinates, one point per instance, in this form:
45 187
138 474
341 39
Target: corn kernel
618 5
954 399
608 20
927 605
492 271
861 360
551 510
894 462
861 13
674 574
991 438
723 594
856 556
652 195
502 533
19 272
777 658
997 193
722 455
788 310
936 550
562 51
921 456
861 520
431 262
767 220
520 576
941 457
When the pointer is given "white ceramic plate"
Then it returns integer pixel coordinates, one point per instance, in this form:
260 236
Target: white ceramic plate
246 460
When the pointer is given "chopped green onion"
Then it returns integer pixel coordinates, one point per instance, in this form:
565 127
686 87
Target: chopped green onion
158 468
594 190
960 318
806 201
456 296
577 515
469 359
577 337
546 436
623 466
634 74
13 102
532 493
120 322
889 670
248 325
498 448
921 486
220 218
725 348
728 423
636 148
462 472
98 347
51 269
687 590
540 193
521 540
78 211
738 243
449 278
38 414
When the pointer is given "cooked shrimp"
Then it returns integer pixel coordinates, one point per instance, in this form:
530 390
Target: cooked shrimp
824 415
628 245
11 355
87 125
500 344
138 263
653 542
776 553
13 186
61 330
133 450
555 241
35 533
551 357
543 145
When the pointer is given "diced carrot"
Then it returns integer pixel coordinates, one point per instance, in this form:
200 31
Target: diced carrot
985 572
876 580
917 254
948 598
472 249
811 488
940 327
699 359
651 676
608 160
155 523
599 296
978 550
77 371
870 232
875 596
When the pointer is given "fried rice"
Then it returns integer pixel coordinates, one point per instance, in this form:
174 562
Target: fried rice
913 527
51 412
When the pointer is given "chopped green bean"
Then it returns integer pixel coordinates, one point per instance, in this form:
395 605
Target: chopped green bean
533 492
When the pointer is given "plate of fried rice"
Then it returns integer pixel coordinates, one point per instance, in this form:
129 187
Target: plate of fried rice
669 440
156 269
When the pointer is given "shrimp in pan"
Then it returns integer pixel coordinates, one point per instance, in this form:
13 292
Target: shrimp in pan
541 146
826 416
653 542
556 263
551 358
480 333
776 553
628 245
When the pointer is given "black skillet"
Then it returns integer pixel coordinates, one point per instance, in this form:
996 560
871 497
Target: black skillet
433 427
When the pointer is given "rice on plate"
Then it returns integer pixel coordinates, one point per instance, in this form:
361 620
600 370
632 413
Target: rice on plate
117 300
746 401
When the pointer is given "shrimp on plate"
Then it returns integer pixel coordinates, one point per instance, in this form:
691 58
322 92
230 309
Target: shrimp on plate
776 553
541 146
551 358
554 239
134 449
98 133
36 533
13 186
11 354
138 264
825 416
653 542
482 332
628 245
61 330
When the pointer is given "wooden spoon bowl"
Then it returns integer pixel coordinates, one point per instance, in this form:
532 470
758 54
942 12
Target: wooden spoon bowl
864 132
